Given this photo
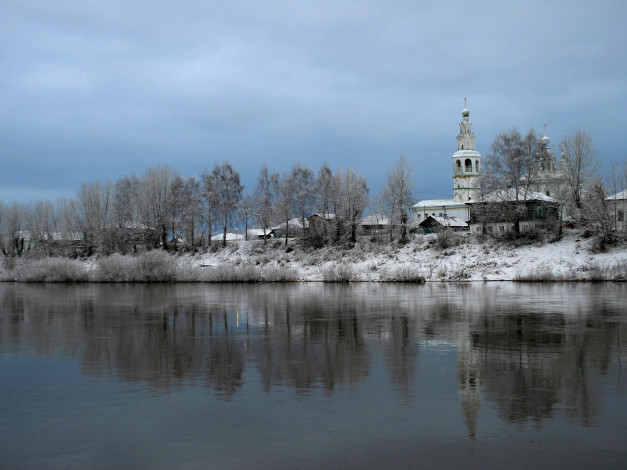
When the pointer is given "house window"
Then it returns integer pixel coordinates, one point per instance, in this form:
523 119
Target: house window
621 216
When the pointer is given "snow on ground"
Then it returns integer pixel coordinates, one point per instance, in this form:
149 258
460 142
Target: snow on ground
569 258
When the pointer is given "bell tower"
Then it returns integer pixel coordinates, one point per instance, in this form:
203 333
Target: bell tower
466 161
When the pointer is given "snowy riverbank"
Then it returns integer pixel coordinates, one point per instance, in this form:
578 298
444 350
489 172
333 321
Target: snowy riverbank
422 259
567 259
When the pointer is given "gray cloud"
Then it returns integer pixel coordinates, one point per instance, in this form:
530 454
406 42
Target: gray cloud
98 90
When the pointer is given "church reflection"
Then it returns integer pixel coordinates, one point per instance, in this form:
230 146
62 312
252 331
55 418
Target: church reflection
526 351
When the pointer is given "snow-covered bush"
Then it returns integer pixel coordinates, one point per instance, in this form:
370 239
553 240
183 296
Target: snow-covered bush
403 274
338 272
280 275
52 270
115 268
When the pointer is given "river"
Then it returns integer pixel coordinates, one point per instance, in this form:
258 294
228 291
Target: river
476 375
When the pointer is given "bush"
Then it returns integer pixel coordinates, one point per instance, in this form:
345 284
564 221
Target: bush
115 268
52 270
403 274
338 272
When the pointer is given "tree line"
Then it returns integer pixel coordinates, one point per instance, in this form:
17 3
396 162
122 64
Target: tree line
518 167
161 209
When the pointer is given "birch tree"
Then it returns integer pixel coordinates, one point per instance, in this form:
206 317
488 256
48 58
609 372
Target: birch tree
579 164
264 199
227 193
398 194
510 172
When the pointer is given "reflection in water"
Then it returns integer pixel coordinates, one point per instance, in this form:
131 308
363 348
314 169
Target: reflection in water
526 350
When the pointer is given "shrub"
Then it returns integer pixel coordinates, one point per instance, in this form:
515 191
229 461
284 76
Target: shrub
338 272
541 273
52 270
403 274
115 268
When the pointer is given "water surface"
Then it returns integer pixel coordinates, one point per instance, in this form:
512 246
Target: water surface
313 376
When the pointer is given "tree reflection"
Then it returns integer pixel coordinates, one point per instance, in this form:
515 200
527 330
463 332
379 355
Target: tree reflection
529 358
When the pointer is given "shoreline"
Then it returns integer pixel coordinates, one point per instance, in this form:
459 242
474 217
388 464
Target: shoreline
421 260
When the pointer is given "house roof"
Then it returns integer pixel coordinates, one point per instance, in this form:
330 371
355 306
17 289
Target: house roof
509 195
445 221
375 219
294 223
255 232
618 196
327 216
439 203
229 236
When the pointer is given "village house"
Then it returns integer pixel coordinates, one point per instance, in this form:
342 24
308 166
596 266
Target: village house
498 212
618 210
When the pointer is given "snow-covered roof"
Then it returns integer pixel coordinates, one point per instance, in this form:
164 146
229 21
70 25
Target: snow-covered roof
446 221
375 219
296 222
618 196
229 236
328 216
466 154
509 195
439 203
256 232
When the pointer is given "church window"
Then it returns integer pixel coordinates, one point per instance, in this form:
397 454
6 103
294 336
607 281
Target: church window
621 216
548 193
477 166
468 165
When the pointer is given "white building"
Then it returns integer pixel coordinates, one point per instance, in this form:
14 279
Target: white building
466 171
618 210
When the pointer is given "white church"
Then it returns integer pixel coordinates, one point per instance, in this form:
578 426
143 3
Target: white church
456 212
466 170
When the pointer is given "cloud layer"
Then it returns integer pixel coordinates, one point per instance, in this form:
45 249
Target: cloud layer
99 90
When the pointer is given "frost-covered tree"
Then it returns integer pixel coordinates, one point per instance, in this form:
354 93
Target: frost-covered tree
398 194
578 166
154 198
354 200
264 199
227 190
94 214
510 171
303 186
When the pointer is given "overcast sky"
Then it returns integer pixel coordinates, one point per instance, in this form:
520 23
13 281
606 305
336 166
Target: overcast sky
97 90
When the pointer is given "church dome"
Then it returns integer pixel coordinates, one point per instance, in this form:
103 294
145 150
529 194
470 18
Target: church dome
545 140
465 112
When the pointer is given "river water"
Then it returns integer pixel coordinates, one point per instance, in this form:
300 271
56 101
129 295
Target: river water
480 375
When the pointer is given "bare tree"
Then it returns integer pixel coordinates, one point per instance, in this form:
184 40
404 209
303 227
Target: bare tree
303 184
154 199
227 193
94 214
510 172
579 164
14 241
246 211
264 199
355 200
398 194
185 210
285 200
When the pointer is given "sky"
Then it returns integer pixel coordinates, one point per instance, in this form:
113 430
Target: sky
95 91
